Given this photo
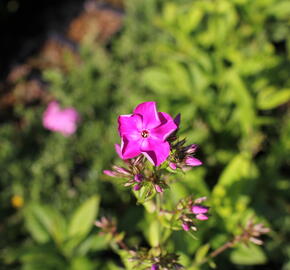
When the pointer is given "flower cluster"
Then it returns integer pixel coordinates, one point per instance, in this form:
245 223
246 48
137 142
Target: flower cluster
147 134
190 210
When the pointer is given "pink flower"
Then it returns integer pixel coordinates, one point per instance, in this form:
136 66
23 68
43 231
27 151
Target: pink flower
191 161
60 120
145 131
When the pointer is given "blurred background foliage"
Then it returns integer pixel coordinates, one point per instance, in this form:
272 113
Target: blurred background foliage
224 65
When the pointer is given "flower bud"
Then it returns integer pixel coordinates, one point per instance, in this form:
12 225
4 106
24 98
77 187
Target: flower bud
199 209
172 165
109 173
154 267
201 217
121 170
137 187
138 177
191 161
158 188
191 149
185 227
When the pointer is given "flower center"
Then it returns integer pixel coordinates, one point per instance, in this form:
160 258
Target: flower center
145 133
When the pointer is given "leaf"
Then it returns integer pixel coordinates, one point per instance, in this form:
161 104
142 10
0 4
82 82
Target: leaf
201 253
157 79
250 255
36 228
44 221
270 98
190 21
34 258
83 219
82 263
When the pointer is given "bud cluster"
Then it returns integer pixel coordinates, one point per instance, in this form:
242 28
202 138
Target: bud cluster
252 232
182 156
191 210
157 259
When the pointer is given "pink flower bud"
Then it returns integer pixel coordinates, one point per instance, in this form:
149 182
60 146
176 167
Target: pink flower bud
191 148
201 217
185 227
191 161
172 166
177 119
154 267
138 177
121 170
158 188
199 209
200 200
109 173
137 187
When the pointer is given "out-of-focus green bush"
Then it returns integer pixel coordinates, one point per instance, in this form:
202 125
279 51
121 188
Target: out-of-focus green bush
224 65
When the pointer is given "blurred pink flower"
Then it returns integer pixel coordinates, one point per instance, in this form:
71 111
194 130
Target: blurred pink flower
60 120
145 131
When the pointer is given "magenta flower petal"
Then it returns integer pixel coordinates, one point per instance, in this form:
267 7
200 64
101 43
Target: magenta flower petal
191 161
156 151
130 148
201 217
130 125
199 209
149 113
165 129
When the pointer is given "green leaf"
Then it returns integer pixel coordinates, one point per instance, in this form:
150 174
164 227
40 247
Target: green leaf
83 219
82 263
201 253
157 79
43 222
270 98
250 255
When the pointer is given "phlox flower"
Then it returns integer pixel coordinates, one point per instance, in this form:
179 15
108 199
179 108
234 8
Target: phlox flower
60 120
145 131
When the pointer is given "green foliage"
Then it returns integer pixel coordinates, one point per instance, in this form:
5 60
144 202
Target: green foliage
224 65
